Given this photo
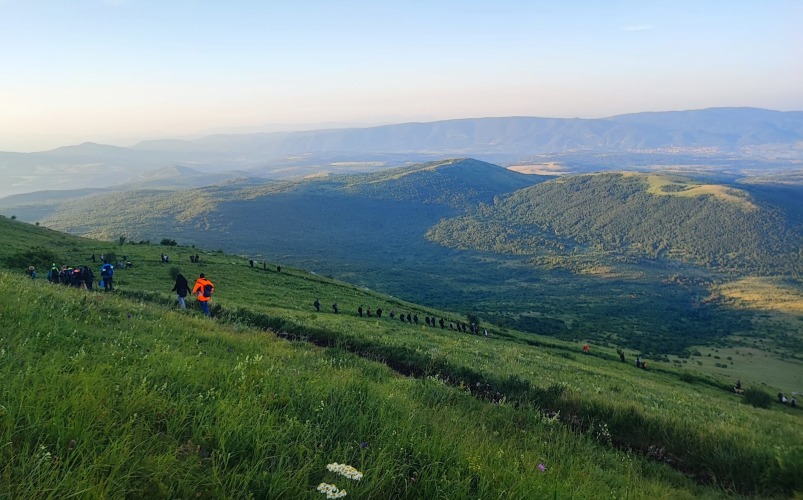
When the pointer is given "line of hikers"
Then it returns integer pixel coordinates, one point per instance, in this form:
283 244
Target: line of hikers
411 318
83 277
79 277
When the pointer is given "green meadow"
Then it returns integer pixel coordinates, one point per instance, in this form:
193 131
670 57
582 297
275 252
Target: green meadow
112 395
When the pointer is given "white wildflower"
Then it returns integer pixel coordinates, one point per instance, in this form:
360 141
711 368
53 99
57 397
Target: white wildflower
331 490
345 471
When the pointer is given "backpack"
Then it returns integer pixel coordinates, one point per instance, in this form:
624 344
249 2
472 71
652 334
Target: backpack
207 292
107 270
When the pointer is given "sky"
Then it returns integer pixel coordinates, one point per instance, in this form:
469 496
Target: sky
121 71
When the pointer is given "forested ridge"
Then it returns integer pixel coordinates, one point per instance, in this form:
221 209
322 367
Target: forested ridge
458 183
617 212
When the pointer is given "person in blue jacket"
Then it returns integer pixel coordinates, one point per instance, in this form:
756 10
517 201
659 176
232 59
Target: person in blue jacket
107 275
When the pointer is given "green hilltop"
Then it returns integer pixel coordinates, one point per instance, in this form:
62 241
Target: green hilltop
123 395
645 215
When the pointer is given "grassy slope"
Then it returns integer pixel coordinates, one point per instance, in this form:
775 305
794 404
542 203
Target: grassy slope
133 398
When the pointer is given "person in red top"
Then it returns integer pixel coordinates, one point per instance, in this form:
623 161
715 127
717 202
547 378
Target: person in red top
204 288
585 349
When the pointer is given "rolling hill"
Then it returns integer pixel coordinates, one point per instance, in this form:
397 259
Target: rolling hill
657 216
123 395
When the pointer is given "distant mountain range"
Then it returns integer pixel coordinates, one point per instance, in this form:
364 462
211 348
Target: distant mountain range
732 132
726 130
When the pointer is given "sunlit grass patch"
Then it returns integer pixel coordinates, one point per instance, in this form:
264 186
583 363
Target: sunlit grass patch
666 185
764 294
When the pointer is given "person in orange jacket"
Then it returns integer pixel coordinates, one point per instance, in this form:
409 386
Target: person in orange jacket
204 288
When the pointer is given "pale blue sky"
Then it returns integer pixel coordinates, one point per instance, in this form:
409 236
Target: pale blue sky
117 71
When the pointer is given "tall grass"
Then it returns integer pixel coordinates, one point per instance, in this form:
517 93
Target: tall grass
107 398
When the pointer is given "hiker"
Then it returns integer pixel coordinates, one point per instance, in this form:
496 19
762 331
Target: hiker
251 262
182 288
317 305
643 365
31 271
204 288
426 320
793 403
359 311
107 275
197 259
392 314
485 332
93 257
738 385
64 275
75 278
378 312
781 398
442 323
368 312
192 259
278 269
53 274
89 277
638 361
334 307
415 318
585 349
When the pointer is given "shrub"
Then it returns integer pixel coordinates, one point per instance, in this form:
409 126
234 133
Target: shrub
39 257
168 242
758 398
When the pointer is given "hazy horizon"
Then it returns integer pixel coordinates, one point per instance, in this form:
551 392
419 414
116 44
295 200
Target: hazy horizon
121 71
